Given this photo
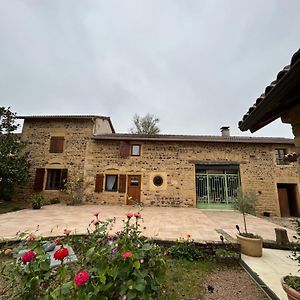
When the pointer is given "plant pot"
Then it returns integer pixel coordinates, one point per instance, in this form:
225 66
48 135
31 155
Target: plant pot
250 246
36 205
292 294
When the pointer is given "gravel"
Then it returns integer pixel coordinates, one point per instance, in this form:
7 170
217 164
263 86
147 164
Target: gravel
233 284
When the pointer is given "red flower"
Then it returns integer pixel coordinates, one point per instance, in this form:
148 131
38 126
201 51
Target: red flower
138 215
81 278
57 241
28 256
67 232
61 253
127 254
129 215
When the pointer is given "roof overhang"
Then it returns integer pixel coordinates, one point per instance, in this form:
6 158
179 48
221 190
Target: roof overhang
283 96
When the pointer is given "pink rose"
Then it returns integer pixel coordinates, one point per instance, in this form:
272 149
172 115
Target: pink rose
81 278
28 256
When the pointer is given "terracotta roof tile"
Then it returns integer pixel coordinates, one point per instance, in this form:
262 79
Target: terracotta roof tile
280 76
193 138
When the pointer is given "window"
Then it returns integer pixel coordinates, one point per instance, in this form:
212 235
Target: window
57 144
56 179
111 183
158 180
279 154
135 150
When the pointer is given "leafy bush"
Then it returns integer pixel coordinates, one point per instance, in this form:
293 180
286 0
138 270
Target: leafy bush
123 266
37 201
186 248
54 201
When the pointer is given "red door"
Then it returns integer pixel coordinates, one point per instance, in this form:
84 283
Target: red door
133 189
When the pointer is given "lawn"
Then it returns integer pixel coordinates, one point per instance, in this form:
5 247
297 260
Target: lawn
9 206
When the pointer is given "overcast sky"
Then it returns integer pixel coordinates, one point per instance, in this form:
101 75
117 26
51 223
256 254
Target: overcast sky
197 65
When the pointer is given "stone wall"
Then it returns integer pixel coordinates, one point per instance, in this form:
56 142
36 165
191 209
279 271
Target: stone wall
37 134
176 162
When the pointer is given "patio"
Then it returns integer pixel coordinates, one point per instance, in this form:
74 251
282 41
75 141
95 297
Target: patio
164 223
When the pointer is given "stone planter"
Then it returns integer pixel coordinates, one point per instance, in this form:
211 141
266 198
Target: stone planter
291 293
250 246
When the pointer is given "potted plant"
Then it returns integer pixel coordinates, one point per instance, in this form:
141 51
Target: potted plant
291 283
37 201
251 244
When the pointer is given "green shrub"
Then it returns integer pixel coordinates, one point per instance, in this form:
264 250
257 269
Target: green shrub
54 201
186 248
37 201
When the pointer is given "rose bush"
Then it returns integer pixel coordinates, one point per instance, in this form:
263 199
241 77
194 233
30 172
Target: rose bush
121 265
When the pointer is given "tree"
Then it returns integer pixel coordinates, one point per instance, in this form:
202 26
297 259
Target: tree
145 125
14 163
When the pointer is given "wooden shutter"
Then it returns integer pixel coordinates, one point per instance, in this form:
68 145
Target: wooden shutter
39 179
57 144
122 184
64 178
99 183
124 149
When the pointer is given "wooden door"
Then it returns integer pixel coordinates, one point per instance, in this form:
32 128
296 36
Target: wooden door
133 189
284 202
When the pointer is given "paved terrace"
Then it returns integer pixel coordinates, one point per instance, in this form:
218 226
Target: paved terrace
166 223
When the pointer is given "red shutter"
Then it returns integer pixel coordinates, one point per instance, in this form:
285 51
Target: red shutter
122 184
99 183
39 179
124 149
64 178
57 144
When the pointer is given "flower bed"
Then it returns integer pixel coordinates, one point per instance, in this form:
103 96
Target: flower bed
120 266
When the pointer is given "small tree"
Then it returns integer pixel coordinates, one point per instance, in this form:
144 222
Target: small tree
245 204
14 163
145 125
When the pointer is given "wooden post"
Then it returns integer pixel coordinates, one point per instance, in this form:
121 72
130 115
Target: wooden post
281 237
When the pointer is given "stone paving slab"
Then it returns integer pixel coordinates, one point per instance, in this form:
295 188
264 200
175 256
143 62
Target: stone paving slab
273 265
166 223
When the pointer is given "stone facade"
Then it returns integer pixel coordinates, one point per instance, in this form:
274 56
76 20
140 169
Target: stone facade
174 161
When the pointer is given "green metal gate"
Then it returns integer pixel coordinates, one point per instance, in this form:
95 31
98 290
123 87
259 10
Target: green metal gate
216 188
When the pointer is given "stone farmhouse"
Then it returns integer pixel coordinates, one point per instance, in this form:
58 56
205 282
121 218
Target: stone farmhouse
160 170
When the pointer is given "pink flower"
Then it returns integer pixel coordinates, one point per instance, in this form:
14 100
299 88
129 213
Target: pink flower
95 222
96 214
129 215
81 278
57 241
61 253
67 231
28 256
30 237
138 215
126 254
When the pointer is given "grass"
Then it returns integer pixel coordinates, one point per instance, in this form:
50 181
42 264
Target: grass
8 206
184 279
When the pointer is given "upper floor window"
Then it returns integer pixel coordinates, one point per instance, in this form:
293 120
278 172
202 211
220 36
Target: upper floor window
57 144
280 154
135 150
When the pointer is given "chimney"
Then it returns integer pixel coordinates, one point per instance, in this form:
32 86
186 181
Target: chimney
225 131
